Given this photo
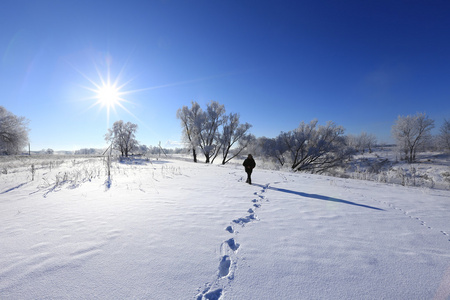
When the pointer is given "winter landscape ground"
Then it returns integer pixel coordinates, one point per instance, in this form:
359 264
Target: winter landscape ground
173 229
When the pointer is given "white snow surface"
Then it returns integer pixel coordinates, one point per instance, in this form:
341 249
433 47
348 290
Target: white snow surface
172 229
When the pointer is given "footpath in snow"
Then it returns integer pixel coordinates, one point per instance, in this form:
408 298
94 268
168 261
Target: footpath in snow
178 230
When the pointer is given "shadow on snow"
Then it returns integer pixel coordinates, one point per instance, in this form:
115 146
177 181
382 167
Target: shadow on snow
13 188
319 197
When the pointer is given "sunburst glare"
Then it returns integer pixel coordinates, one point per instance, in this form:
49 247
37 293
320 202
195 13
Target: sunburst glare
107 93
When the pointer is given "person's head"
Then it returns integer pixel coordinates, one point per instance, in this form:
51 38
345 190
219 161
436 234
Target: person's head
250 156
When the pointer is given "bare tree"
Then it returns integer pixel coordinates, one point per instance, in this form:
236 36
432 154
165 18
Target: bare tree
314 149
122 136
13 132
444 137
191 120
362 142
212 131
254 145
295 142
274 148
233 133
411 133
208 134
369 141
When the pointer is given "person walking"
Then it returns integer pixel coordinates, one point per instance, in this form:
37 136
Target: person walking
249 164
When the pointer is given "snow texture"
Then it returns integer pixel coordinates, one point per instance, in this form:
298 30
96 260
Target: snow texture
179 230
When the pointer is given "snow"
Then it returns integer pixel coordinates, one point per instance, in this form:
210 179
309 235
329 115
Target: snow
431 169
172 229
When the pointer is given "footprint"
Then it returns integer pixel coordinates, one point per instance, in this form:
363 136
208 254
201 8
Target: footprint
232 244
247 219
242 221
229 229
224 266
250 211
213 295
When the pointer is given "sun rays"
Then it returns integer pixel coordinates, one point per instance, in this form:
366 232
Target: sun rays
108 93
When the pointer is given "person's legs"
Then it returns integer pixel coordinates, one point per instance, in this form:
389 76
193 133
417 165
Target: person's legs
249 177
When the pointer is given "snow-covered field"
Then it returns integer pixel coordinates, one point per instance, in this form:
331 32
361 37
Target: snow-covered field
431 169
172 229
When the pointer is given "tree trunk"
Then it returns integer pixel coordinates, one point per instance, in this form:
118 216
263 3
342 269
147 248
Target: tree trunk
194 153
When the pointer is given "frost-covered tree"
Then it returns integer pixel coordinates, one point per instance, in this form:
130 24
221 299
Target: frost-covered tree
362 142
233 134
254 145
208 134
122 137
444 137
142 149
273 148
368 141
212 131
13 132
411 133
314 148
191 120
354 142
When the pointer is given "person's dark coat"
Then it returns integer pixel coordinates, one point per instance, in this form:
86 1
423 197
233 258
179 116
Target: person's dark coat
249 164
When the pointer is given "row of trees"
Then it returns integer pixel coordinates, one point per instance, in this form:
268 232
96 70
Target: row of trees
213 132
310 147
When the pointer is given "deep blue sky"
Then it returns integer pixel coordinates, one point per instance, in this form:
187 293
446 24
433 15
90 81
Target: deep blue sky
358 63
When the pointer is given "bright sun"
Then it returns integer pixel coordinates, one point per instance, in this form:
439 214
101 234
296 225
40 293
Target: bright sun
108 95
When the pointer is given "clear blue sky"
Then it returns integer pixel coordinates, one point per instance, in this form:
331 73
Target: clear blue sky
358 63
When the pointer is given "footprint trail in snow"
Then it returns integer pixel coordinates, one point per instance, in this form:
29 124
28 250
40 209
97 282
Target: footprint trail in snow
229 252
403 211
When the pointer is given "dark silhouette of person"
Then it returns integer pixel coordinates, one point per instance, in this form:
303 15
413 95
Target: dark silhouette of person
249 164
